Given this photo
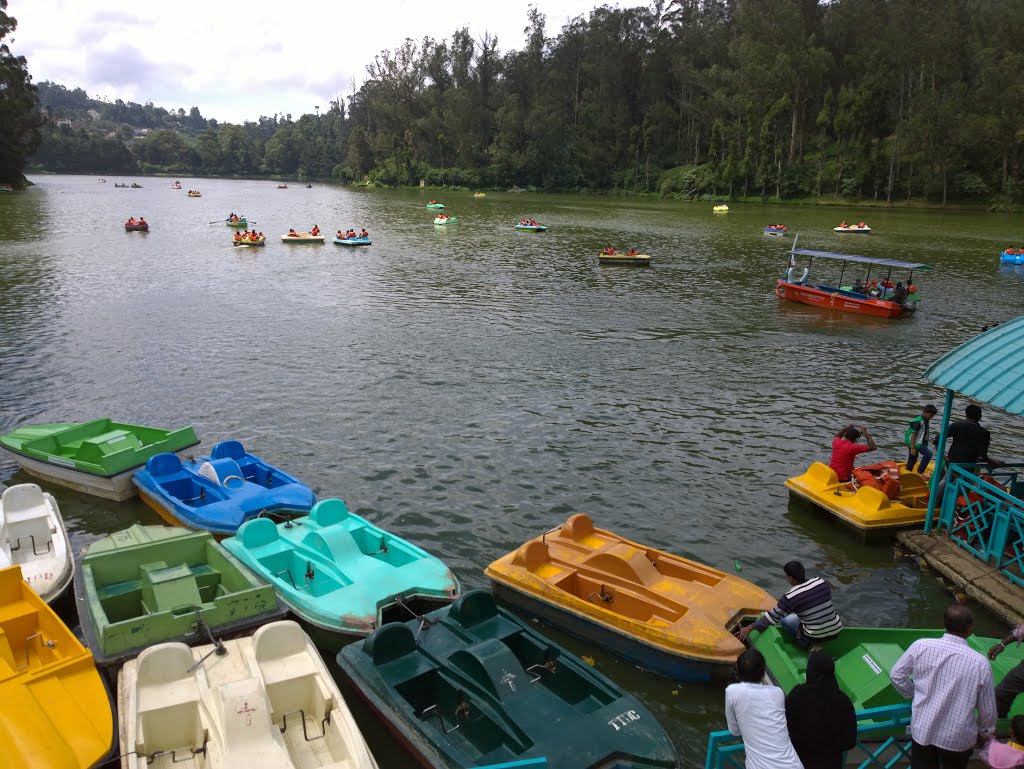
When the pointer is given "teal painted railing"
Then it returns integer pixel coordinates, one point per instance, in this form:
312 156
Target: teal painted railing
527 762
882 742
985 519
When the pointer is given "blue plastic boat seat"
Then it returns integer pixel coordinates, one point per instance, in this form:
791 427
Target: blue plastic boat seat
228 450
328 512
218 470
257 533
163 464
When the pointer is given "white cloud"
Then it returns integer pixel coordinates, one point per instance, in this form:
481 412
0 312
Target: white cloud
238 59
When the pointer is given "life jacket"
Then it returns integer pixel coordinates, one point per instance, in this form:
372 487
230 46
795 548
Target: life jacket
884 476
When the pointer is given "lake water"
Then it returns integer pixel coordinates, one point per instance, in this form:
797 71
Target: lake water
470 387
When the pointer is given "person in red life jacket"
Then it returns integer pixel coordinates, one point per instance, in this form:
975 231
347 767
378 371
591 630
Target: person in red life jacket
845 449
315 230
609 250
364 233
632 252
842 223
862 225
339 236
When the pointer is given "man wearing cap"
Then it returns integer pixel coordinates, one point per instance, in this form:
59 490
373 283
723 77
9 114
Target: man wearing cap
916 440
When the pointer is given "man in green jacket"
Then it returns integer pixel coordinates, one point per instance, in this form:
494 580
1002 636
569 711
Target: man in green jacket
916 439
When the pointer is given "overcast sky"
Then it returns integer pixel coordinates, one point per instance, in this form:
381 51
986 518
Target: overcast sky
239 59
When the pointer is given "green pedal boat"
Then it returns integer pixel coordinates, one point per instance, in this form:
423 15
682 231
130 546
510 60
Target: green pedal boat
97 457
341 573
864 656
150 584
470 685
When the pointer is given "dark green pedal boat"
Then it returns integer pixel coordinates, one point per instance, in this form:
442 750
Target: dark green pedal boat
97 457
470 685
864 656
151 584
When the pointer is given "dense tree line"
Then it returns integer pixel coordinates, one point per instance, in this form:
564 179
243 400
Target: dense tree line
883 99
19 114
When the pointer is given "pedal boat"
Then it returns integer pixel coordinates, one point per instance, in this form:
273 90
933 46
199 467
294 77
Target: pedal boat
341 573
864 657
352 242
854 230
32 536
150 584
237 223
195 194
441 221
265 702
136 227
720 209
435 205
302 237
471 685
532 227
97 457
55 712
866 509
1012 256
243 242
769 230
659 611
636 260
220 492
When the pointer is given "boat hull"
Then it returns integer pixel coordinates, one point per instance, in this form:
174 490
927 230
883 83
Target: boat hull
249 243
303 239
853 230
529 228
1006 258
770 231
238 224
443 222
839 302
636 260
136 228
352 242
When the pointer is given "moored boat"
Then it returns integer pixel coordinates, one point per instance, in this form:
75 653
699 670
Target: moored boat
352 242
97 457
33 536
636 260
666 613
866 508
54 709
150 584
220 492
445 219
265 702
864 657
471 685
341 573
302 237
878 300
1012 256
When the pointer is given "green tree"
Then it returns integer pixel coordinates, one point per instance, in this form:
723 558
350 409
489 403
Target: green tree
20 119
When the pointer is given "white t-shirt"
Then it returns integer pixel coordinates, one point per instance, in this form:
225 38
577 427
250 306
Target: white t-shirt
757 713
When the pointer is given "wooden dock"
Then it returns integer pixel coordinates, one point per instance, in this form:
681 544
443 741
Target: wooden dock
980 581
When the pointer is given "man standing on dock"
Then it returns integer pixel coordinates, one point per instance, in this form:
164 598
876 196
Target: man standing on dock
1013 683
805 612
947 680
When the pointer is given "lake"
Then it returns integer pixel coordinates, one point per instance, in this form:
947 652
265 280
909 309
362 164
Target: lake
469 387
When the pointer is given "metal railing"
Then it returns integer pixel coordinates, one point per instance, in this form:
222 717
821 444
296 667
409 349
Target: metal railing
985 517
882 742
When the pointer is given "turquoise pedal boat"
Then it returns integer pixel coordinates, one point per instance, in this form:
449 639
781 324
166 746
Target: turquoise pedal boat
340 573
97 457
471 685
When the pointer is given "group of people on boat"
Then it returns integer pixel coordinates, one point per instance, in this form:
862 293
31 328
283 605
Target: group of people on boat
350 234
194 192
610 251
443 217
529 223
858 226
315 232
133 222
885 289
176 186
250 236
777 227
432 202
235 218
1013 251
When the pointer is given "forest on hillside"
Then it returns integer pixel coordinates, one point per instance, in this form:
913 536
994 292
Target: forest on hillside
865 99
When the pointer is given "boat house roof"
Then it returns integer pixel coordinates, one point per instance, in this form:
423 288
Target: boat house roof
988 368
865 259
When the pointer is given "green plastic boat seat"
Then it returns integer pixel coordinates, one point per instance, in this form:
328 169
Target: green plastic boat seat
95 448
475 614
493 667
865 670
169 588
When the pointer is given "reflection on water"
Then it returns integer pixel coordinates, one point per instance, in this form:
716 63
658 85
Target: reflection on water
470 386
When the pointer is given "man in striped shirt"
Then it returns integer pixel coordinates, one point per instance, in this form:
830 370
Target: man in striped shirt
948 680
804 612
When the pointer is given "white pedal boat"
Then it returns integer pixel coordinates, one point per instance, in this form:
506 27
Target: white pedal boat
262 702
32 535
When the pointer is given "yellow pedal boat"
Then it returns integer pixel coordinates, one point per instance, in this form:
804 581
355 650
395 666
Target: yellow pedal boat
866 509
54 709
664 613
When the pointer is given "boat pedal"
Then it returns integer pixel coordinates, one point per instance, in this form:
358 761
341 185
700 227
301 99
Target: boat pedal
193 752
461 714
49 544
305 730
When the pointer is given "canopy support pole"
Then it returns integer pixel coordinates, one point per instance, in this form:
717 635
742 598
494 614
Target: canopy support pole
940 455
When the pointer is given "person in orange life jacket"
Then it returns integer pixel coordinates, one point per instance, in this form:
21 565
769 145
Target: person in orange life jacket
845 449
364 233
315 230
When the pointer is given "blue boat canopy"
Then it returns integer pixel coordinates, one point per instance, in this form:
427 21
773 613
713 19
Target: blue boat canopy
865 259
988 368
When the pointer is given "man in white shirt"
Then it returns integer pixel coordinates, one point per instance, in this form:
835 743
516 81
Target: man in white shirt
757 712
947 680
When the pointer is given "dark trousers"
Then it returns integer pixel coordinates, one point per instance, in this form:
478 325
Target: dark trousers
924 456
931 757
1008 689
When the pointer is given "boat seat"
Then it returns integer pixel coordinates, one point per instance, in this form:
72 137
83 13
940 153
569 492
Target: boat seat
257 533
168 588
228 450
626 562
874 688
493 666
328 512
167 708
389 642
218 470
472 608
336 542
250 737
26 519
532 555
160 465
578 527
292 679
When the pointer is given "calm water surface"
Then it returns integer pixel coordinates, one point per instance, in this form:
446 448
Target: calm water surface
469 387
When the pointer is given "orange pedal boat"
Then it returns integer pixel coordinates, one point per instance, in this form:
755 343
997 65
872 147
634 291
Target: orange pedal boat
664 613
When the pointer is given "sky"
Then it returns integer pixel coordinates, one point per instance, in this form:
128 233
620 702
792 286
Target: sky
239 59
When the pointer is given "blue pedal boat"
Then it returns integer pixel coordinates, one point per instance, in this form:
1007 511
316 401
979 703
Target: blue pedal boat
352 242
220 492
340 573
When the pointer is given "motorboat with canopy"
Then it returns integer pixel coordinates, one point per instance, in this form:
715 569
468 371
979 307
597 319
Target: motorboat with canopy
876 296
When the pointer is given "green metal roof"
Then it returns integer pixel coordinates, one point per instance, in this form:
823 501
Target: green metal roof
988 368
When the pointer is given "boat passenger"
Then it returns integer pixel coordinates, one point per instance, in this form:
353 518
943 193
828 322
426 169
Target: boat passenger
259 236
364 233
899 294
842 223
756 712
292 234
142 220
859 287
339 236
609 251
845 449
804 612
315 230
632 252
238 237
862 225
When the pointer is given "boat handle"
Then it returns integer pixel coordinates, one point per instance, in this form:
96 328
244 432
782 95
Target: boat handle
461 714
48 644
541 668
606 597
305 732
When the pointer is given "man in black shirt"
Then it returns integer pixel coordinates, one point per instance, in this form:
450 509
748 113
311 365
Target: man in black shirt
970 439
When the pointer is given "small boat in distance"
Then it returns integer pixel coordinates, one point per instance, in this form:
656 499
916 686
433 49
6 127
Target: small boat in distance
33 536
245 241
102 181
435 204
865 296
282 186
630 258
529 225
136 225
302 237
776 229
176 186
856 229
443 219
136 186
479 194
195 194
352 242
720 209
1012 256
